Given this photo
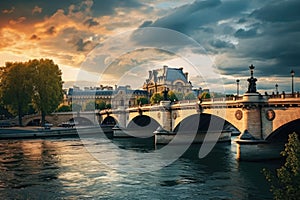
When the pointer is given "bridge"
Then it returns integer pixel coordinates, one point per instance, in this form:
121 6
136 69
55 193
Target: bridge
260 115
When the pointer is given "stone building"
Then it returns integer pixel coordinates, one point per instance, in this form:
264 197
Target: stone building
173 79
119 96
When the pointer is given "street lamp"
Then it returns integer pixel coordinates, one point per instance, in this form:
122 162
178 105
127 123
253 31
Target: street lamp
292 74
276 88
237 87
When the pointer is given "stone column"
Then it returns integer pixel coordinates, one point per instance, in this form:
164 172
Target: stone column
165 115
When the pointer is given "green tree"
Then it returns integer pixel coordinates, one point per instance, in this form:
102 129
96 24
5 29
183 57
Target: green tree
100 105
64 108
286 183
204 95
47 86
156 97
16 88
175 96
190 96
142 101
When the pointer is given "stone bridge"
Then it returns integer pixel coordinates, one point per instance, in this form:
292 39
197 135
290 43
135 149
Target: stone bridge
84 118
262 116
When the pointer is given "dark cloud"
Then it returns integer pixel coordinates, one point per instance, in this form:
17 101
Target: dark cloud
279 11
107 7
222 44
50 31
200 13
35 37
90 22
242 33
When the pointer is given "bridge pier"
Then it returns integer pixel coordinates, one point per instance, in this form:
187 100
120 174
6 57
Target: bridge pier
165 114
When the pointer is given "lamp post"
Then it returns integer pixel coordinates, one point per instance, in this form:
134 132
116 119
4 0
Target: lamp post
237 87
292 74
252 81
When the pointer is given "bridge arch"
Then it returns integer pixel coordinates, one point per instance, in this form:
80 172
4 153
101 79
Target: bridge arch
109 120
280 135
143 126
202 122
81 121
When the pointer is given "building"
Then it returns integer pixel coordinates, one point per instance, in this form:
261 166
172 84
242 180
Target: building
119 96
173 79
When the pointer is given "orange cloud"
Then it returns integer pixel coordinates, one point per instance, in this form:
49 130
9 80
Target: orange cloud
17 21
6 11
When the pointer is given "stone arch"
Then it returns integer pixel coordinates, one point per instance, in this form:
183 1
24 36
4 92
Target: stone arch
143 122
203 122
82 121
109 120
280 135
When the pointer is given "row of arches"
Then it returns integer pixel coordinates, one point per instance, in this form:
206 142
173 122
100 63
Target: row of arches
203 122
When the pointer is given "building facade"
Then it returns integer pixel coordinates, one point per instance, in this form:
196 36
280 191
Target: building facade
167 78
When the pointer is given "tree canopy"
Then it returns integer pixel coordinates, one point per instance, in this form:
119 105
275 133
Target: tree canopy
286 183
36 82
16 88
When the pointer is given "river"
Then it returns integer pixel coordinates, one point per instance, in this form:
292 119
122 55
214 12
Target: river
64 169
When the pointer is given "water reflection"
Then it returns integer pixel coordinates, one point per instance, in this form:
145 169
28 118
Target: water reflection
63 169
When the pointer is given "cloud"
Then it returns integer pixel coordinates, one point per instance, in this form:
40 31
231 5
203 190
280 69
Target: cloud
35 37
8 11
90 22
36 9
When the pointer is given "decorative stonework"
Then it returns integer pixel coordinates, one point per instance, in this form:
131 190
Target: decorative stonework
270 114
158 115
174 115
238 114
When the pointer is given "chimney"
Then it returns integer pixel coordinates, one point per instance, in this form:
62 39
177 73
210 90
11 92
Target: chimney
186 74
165 70
150 75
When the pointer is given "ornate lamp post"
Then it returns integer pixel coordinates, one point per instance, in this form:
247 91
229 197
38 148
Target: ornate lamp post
292 74
237 87
252 81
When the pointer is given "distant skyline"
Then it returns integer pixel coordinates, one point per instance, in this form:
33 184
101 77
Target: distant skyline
234 34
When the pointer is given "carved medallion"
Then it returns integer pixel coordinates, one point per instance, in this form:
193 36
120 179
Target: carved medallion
270 115
238 114
174 115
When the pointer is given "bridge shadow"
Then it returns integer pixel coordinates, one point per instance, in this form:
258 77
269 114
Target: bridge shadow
280 135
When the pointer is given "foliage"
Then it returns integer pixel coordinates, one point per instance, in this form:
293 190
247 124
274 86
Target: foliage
64 108
190 96
175 96
142 101
286 183
16 88
156 98
204 95
101 105
47 85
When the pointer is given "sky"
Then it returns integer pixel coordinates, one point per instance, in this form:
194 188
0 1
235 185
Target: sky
117 42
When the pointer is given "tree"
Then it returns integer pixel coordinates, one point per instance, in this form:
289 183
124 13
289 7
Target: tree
286 183
190 96
142 101
204 95
156 97
101 105
47 86
16 88
64 108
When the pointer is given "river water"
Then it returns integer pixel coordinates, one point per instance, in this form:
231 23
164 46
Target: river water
64 169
